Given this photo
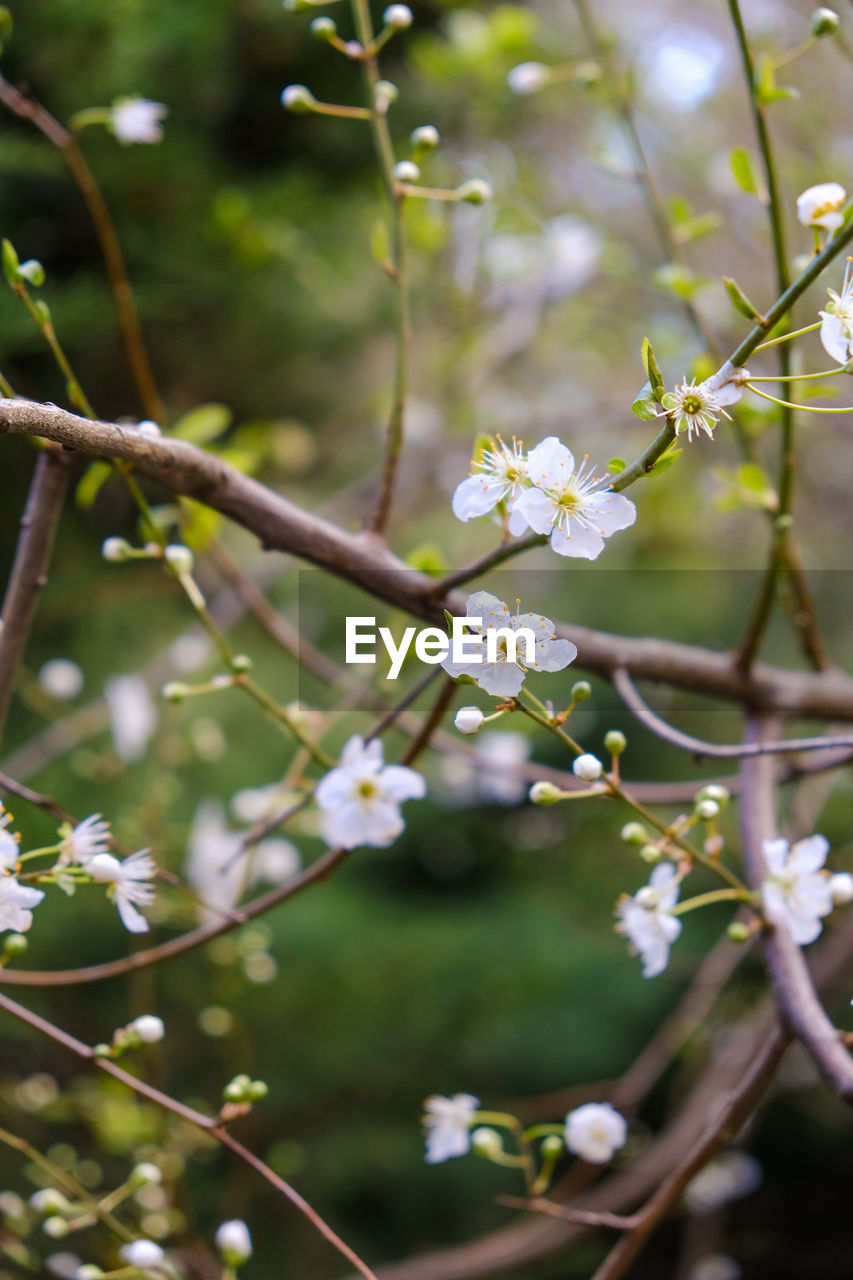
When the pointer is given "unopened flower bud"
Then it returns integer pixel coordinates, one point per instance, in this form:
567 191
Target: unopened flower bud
634 833
257 1090
651 854
647 897
486 1143
588 768
323 29
48 1201
149 1028
528 77
615 742
237 1089
841 885
824 22
738 931
298 98
398 16
116 549
552 1147
581 691
180 558
544 793
722 795
88 1272
707 809
175 691
145 1174
241 663
384 93
234 1242
14 944
406 171
55 1227
475 191
142 1254
425 138
148 430
468 719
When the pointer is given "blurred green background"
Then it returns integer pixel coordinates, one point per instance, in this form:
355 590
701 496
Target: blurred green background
476 954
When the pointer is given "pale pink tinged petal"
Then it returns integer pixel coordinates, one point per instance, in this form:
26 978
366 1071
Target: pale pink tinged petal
576 541
803 929
477 496
775 906
808 855
550 464
402 783
670 927
537 509
503 679
835 341
482 604
612 511
775 855
813 895
655 956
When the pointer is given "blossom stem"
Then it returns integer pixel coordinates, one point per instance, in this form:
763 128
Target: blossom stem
801 377
807 408
506 551
713 895
395 199
278 713
786 337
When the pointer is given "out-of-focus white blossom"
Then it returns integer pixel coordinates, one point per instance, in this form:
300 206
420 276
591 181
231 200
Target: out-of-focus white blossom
505 676
499 476
132 715
569 504
587 767
149 1028
595 1131
528 77
61 678
16 904
646 919
143 1254
447 1122
820 206
86 839
234 1242
130 885
360 799
730 1176
797 892
10 842
836 330
137 120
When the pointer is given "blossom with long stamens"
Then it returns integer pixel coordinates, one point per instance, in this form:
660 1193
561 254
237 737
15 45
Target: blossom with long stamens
571 504
360 798
505 676
86 839
836 330
16 903
130 885
499 475
447 1122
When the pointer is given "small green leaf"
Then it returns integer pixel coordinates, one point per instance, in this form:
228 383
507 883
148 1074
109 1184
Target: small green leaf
652 369
665 461
42 310
91 482
746 172
645 405
739 300
483 444
692 229
200 525
5 24
10 262
428 557
203 424
615 465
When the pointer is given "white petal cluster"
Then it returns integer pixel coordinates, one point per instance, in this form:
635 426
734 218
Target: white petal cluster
647 922
10 842
129 884
503 677
142 1254
89 838
16 900
447 1122
234 1242
595 1131
545 492
219 866
797 892
698 406
836 330
137 120
133 717
360 799
820 206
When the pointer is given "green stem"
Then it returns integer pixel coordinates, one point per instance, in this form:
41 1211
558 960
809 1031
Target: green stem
713 895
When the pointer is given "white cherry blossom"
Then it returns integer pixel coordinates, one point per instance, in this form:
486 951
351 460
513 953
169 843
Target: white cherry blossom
836 330
360 799
86 839
447 1122
137 120
572 505
504 678
133 717
594 1131
797 892
499 475
16 904
820 206
10 850
130 885
646 919
698 406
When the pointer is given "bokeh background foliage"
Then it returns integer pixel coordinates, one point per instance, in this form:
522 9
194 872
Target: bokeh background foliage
476 954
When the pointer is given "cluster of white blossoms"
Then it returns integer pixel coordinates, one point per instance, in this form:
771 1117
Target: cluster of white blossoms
505 676
797 892
544 491
80 849
360 799
594 1131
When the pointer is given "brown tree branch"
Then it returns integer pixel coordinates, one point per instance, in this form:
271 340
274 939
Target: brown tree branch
361 558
